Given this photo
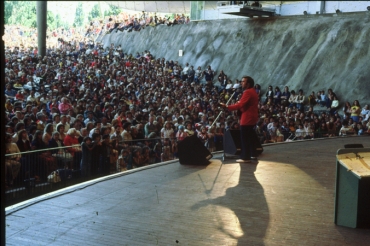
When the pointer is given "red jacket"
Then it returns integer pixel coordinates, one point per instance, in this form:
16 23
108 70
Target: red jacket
248 106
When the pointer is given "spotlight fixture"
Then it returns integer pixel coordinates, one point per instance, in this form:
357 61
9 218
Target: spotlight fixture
317 12
368 8
305 12
337 11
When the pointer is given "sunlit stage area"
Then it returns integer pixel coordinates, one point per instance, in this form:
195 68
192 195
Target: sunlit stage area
284 198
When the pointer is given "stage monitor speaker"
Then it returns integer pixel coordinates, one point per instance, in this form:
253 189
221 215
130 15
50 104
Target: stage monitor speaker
191 151
232 143
346 146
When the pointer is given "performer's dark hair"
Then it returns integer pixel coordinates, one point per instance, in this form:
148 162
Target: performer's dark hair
250 80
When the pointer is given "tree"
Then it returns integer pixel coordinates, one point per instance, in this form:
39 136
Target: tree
58 21
113 10
79 15
50 20
94 13
23 13
8 10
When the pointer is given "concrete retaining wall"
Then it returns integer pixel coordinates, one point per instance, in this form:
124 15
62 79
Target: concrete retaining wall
303 52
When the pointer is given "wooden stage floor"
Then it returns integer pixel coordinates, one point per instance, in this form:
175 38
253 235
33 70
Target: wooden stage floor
287 198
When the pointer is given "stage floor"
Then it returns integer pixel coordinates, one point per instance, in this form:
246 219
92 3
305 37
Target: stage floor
286 198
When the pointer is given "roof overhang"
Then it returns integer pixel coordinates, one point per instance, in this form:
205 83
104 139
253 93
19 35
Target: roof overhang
250 12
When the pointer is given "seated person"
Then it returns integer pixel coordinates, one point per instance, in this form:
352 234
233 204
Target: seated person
122 161
10 93
292 99
136 25
308 132
121 27
324 99
137 158
318 99
300 100
334 105
360 129
300 132
19 96
312 99
323 130
346 129
365 112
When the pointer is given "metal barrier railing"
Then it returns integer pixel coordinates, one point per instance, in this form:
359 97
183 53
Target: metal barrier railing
27 172
33 173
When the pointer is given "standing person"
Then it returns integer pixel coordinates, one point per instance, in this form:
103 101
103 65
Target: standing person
269 94
285 96
198 75
85 165
248 106
355 111
106 151
208 75
12 163
71 139
300 100
181 134
95 155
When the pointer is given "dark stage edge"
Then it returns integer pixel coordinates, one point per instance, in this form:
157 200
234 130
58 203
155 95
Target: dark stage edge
287 198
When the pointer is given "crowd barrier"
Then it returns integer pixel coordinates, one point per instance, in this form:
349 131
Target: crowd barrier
33 173
39 172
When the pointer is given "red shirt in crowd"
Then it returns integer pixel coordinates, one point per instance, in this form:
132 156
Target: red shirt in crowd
69 141
19 97
64 107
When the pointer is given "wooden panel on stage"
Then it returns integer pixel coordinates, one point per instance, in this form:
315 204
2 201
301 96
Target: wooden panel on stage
357 163
284 199
352 194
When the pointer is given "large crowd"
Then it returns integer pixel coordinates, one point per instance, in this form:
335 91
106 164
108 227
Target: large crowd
21 36
130 23
119 111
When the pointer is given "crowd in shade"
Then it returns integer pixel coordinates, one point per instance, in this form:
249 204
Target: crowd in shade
118 111
130 23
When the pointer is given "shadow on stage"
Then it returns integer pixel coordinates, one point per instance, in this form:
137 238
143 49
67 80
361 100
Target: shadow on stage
247 201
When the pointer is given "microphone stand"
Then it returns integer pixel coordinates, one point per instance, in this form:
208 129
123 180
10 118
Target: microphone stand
222 110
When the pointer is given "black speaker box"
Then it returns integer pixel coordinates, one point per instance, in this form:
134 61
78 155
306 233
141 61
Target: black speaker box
232 142
191 151
347 146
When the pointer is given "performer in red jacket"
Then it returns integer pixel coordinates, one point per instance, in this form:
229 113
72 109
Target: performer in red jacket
248 107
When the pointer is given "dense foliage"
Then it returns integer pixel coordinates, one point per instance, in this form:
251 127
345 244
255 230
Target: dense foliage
94 13
79 15
113 10
20 13
24 13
